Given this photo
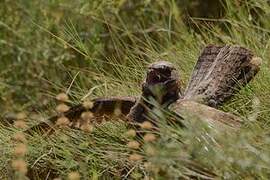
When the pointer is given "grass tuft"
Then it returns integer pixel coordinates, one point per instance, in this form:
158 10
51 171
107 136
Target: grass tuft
101 48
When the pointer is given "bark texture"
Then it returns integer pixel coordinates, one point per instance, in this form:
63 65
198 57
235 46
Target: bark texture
197 111
220 72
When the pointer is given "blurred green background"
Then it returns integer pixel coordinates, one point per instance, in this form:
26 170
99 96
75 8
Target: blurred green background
44 43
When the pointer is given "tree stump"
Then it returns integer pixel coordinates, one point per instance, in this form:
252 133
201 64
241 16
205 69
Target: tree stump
220 72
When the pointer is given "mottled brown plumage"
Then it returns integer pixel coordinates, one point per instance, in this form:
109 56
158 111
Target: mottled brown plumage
219 73
160 85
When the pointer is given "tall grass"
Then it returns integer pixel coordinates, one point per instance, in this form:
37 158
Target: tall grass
101 48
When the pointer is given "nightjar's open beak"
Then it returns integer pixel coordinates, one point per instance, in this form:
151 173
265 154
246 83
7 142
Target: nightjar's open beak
162 82
160 72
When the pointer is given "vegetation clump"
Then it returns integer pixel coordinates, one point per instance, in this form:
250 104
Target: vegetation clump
101 48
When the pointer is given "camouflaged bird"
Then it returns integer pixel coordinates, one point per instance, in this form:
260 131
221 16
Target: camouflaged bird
220 72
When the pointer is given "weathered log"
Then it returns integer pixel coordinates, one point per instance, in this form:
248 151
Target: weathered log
202 66
220 72
218 119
